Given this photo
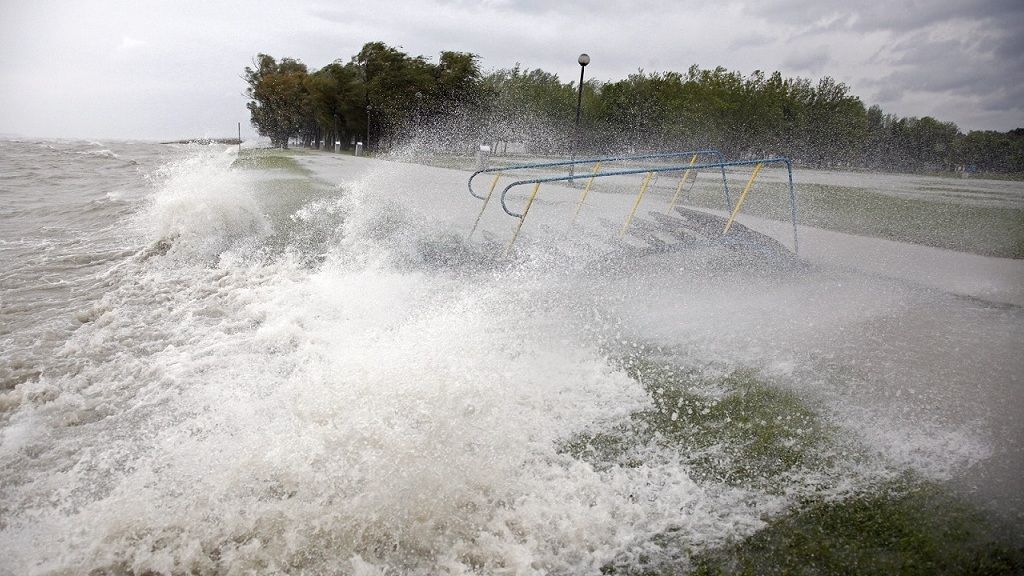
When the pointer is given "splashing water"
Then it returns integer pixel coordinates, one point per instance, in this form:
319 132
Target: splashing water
286 376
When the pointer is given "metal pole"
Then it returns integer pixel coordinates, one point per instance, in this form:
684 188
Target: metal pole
579 97
583 60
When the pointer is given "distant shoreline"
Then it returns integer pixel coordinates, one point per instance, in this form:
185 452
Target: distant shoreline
231 141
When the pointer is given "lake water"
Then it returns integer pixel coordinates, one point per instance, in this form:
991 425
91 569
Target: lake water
224 370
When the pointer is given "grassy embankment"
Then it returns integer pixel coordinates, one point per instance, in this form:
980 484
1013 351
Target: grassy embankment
270 159
739 430
283 187
983 230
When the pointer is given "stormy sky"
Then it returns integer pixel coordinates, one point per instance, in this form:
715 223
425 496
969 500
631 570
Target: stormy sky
161 70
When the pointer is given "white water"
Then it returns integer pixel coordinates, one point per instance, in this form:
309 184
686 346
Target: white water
280 378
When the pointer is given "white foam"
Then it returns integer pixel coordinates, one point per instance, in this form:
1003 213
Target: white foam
202 206
227 411
104 153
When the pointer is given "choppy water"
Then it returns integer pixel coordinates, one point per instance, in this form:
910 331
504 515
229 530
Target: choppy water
227 371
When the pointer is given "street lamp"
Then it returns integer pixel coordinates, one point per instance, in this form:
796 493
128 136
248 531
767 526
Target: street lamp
583 60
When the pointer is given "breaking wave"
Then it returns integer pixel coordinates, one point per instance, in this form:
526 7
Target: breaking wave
296 378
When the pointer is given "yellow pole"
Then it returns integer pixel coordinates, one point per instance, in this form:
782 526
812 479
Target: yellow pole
672 203
522 219
636 204
586 190
743 196
484 207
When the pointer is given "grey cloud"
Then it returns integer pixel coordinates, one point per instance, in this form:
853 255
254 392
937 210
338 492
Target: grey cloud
1011 49
1010 99
753 40
899 15
935 57
812 60
962 65
979 70
888 93
578 8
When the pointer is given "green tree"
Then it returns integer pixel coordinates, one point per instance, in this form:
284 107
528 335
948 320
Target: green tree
395 85
817 123
335 101
278 98
530 106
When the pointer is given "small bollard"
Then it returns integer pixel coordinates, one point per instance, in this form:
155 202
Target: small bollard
359 149
482 156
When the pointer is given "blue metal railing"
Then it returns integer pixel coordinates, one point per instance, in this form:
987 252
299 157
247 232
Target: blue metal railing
702 152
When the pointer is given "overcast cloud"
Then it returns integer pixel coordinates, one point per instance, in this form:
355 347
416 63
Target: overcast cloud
162 70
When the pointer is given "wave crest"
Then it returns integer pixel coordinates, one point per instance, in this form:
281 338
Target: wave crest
204 207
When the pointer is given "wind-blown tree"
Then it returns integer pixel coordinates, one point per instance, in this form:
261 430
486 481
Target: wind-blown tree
879 146
834 124
530 106
278 104
457 80
818 123
393 79
991 151
931 144
755 115
457 99
336 95
635 110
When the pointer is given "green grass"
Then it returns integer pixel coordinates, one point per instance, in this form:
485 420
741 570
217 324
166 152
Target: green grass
269 159
284 189
903 528
748 434
737 429
984 230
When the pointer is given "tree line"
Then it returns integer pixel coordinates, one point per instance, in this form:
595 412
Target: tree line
384 97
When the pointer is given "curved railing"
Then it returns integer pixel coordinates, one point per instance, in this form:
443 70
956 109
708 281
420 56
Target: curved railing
694 154
758 164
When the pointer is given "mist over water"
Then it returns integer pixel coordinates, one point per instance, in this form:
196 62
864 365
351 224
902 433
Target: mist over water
220 370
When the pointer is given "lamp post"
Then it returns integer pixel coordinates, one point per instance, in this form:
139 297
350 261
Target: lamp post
368 110
417 121
583 60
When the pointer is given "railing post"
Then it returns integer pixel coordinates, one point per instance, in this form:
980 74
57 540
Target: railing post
725 183
636 204
586 190
679 188
522 218
743 196
484 207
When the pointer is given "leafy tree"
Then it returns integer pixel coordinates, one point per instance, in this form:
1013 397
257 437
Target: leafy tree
457 80
387 94
278 95
335 101
393 79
